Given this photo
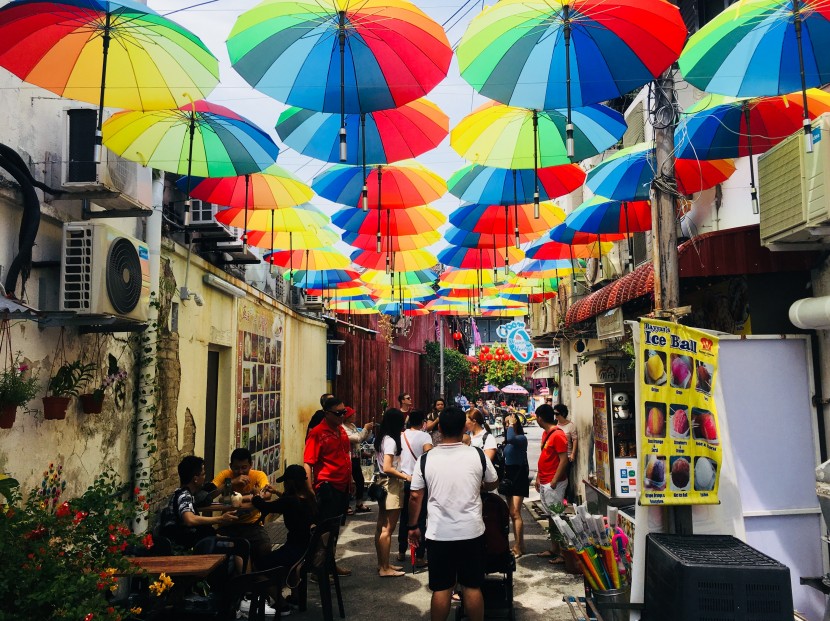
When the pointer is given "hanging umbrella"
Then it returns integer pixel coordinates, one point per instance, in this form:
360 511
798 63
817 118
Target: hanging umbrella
199 139
627 175
517 294
566 235
485 241
273 188
511 186
309 259
551 250
342 290
390 221
386 136
407 308
762 47
507 220
354 307
719 127
321 238
514 389
547 54
509 137
548 268
420 293
469 278
477 258
289 219
320 279
397 186
446 306
402 262
120 54
466 292
333 56
392 244
401 279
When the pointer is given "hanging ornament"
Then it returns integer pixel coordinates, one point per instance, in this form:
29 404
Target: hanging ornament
457 335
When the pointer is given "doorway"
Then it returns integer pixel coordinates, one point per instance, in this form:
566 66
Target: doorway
211 397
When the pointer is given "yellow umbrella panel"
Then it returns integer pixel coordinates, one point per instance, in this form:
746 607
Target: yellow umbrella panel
294 219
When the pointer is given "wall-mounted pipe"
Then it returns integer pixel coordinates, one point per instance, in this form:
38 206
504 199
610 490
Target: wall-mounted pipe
811 313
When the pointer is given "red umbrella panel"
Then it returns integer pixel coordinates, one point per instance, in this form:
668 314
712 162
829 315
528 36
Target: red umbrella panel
391 243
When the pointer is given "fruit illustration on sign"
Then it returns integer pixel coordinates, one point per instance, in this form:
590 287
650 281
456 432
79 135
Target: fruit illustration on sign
655 473
655 422
681 371
655 367
705 471
680 473
680 424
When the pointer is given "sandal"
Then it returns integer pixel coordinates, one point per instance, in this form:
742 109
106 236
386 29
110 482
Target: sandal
546 554
363 509
557 560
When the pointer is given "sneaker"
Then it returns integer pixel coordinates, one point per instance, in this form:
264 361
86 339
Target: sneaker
245 607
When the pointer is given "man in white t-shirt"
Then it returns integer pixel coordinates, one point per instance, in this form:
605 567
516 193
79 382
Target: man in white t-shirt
453 479
414 443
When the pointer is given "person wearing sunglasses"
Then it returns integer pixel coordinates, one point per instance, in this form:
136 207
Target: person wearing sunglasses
328 464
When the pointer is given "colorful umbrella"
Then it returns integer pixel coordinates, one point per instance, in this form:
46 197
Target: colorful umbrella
406 261
446 306
719 127
546 54
548 268
397 186
485 241
354 307
390 221
505 312
392 244
273 188
333 56
290 219
407 308
551 250
477 258
469 278
120 54
566 235
420 293
320 238
199 139
342 291
514 389
511 186
628 173
386 135
401 279
319 279
757 48
498 219
466 292
309 259
604 215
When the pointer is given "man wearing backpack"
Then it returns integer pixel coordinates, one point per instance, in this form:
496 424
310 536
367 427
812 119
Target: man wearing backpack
452 477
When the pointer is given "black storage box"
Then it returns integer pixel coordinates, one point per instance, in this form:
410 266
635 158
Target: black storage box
713 578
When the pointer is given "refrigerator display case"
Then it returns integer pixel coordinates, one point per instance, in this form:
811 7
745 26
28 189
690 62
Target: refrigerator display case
615 442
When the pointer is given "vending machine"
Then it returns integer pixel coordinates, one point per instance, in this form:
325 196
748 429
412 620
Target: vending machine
615 442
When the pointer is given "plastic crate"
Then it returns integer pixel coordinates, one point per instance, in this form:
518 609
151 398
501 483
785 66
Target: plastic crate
713 578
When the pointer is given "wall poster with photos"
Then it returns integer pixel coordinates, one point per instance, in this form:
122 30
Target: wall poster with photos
259 384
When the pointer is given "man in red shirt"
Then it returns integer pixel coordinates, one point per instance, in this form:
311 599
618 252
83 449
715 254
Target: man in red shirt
328 464
552 471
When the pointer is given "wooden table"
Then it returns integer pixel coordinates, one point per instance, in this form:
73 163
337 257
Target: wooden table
194 565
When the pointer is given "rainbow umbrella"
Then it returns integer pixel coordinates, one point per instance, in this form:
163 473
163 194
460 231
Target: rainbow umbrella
546 54
392 221
757 48
386 136
719 127
446 306
320 238
408 308
289 219
334 56
401 262
343 290
456 278
516 219
504 312
200 138
354 307
401 279
392 244
548 268
119 54
466 292
566 235
485 241
309 259
551 250
273 188
396 186
604 215
477 258
628 173
511 186
319 279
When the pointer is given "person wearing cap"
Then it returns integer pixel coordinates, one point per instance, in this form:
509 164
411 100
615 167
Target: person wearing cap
328 464
356 438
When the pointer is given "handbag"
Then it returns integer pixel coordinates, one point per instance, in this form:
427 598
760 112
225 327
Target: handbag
376 491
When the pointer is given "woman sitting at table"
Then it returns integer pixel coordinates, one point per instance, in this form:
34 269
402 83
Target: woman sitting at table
299 511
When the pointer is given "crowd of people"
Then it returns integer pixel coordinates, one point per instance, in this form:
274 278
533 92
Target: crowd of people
431 469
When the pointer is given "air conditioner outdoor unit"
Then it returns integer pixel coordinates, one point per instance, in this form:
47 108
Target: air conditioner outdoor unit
794 188
313 302
104 272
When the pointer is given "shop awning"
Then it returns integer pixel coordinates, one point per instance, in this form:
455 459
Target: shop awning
549 372
730 252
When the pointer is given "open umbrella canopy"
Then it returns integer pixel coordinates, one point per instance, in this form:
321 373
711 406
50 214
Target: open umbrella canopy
466 292
555 53
389 221
321 238
496 301
506 219
421 293
485 241
511 186
354 307
385 136
719 127
548 268
319 279
151 62
455 278
298 219
551 250
628 173
401 262
566 235
272 188
221 144
514 389
447 306
604 215
392 53
407 309
478 258
311 259
489 388
504 312
377 278
343 290
504 136
391 243
399 185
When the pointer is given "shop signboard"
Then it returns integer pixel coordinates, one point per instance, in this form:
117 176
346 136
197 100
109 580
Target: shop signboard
679 430
518 340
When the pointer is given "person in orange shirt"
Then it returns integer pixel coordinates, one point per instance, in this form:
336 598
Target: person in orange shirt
552 472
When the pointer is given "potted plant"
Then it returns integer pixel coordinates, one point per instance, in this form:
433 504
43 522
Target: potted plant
93 402
66 383
17 387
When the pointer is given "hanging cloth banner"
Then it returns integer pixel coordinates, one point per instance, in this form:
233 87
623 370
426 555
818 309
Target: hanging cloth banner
678 425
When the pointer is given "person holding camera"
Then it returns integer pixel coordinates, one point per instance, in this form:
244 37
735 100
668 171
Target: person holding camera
516 483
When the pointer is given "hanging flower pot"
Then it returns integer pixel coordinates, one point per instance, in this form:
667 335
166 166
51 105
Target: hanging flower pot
8 413
91 403
54 408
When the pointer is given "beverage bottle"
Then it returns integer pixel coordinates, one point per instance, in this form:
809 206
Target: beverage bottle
227 492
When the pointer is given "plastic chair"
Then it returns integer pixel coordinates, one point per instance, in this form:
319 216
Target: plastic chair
319 560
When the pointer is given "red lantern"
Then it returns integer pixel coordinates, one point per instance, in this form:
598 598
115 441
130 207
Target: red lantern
489 356
457 335
485 349
500 351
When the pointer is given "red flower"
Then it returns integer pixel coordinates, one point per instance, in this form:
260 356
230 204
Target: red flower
89 617
64 510
137 491
37 533
147 541
79 517
112 549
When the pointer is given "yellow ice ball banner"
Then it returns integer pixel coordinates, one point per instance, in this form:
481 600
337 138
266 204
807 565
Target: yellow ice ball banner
680 444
